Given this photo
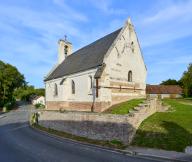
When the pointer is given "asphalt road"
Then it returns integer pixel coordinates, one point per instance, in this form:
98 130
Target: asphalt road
20 143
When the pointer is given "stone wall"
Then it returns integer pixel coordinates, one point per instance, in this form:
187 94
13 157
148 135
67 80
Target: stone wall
100 126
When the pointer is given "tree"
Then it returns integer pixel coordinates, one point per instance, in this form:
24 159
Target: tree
187 81
10 79
40 92
24 93
170 82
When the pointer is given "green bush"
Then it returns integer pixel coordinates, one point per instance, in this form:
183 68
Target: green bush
5 109
116 142
34 119
24 93
9 105
39 105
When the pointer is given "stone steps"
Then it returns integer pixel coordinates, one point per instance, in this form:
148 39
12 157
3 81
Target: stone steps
138 108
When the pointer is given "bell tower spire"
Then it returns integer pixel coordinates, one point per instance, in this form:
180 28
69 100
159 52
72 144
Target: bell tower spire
64 49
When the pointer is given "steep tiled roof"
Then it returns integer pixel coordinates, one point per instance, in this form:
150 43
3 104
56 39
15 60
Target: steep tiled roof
163 89
88 57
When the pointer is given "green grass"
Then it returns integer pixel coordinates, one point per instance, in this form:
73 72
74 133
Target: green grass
123 108
39 106
185 101
111 144
167 130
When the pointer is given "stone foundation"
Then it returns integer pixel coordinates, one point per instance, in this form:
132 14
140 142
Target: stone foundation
88 106
77 106
100 126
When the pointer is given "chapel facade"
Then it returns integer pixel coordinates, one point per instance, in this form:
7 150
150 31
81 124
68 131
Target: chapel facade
106 72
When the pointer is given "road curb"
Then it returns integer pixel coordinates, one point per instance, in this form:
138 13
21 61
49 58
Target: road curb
71 140
125 152
2 116
161 157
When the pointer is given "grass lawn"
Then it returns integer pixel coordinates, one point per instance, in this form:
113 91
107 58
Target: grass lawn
187 101
123 108
167 130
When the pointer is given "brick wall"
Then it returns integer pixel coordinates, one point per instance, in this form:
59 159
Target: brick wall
77 106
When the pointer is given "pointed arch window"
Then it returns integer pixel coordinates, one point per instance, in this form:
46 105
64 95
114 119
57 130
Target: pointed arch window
132 47
90 82
55 90
130 77
72 87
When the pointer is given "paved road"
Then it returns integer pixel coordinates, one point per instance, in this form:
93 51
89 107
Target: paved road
20 143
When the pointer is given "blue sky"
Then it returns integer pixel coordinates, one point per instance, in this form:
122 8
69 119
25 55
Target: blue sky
30 30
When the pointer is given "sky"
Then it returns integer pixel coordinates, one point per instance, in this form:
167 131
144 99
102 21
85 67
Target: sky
30 30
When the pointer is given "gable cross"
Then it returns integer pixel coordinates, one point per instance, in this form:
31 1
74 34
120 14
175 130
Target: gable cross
65 37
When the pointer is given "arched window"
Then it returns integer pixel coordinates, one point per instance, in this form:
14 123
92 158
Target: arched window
90 82
55 90
73 87
130 76
66 50
132 46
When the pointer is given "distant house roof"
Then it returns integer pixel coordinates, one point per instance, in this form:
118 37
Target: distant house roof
37 97
163 89
88 57
33 96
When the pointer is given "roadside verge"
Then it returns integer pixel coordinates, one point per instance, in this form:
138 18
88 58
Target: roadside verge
130 151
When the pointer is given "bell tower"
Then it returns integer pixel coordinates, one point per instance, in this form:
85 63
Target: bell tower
64 49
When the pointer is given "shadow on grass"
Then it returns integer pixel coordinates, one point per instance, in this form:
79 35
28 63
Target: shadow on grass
176 138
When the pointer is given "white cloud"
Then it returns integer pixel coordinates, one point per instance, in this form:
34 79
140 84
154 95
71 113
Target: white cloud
173 12
168 23
98 32
44 22
29 37
106 7
69 11
176 60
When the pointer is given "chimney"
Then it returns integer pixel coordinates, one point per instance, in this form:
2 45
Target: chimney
64 50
